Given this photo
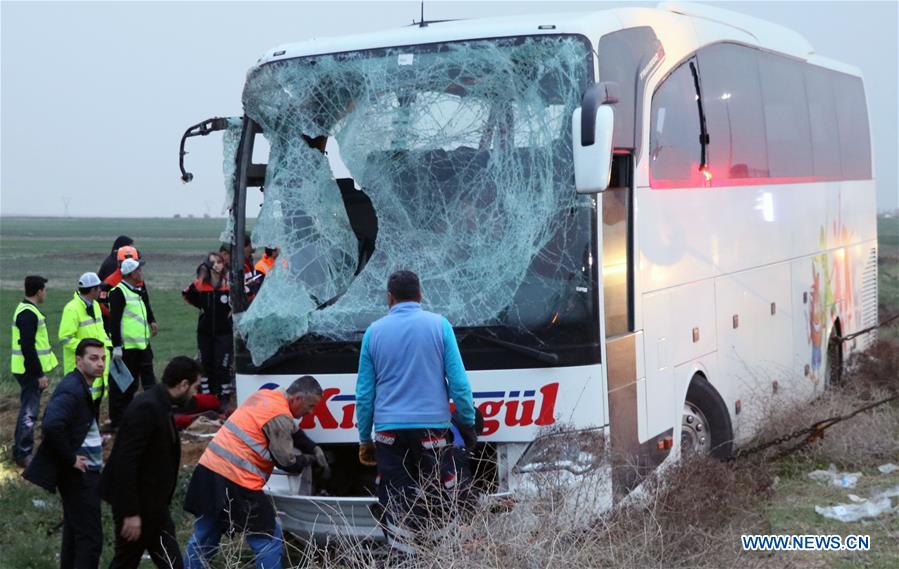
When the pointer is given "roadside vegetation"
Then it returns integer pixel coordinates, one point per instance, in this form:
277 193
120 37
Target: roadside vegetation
693 516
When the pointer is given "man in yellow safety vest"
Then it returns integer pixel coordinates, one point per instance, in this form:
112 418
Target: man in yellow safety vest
131 325
82 318
31 358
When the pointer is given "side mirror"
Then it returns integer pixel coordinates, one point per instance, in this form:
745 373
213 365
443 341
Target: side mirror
591 135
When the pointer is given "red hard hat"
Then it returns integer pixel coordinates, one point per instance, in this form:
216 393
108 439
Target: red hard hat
127 252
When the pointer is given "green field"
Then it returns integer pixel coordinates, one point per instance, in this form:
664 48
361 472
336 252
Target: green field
62 249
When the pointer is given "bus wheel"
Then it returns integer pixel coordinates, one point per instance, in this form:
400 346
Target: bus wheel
833 373
695 436
706 426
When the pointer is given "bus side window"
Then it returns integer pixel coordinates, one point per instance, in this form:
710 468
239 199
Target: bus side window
852 118
675 151
786 117
823 119
732 100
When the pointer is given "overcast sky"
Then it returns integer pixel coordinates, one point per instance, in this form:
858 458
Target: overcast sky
95 96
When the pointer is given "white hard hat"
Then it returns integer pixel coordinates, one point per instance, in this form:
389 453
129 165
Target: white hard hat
131 265
88 280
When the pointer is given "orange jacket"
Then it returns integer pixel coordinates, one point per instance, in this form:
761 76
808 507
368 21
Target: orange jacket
265 264
239 451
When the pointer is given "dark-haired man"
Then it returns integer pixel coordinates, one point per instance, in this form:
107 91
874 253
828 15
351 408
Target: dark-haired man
71 456
31 359
225 491
408 363
140 478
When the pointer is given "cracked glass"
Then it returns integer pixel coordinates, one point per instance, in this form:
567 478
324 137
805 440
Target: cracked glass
451 160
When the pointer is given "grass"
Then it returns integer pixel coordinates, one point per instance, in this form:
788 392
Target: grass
62 249
177 329
30 532
792 511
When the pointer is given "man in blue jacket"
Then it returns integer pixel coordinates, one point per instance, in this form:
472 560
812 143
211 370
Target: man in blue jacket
409 368
71 456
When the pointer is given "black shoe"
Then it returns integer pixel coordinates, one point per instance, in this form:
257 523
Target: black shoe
24 461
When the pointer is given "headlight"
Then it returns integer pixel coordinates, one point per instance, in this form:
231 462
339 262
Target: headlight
578 452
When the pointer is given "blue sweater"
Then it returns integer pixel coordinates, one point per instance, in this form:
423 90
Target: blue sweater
409 367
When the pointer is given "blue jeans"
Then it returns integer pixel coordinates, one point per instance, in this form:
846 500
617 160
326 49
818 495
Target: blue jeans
204 544
30 398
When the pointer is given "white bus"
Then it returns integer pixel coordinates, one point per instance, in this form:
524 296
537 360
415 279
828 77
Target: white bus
647 224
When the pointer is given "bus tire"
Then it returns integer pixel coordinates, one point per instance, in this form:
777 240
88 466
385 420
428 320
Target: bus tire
706 426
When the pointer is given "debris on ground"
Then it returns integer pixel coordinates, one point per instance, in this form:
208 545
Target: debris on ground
888 468
203 427
854 512
834 478
877 505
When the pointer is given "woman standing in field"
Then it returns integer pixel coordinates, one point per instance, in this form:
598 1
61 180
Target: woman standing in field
210 293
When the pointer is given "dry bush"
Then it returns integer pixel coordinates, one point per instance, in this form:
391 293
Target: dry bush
865 440
689 516
877 367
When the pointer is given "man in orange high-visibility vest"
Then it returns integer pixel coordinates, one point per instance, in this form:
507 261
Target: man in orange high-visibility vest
225 491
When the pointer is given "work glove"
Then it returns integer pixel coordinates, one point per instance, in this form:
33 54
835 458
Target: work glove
320 459
367 453
301 461
117 352
469 436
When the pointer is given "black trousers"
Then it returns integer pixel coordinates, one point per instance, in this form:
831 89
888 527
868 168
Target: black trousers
215 354
82 530
140 364
157 537
30 397
419 485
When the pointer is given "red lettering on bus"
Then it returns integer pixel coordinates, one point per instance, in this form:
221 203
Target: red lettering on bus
490 409
321 412
547 414
348 412
527 413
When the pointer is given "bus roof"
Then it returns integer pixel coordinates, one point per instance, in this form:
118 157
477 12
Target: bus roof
682 27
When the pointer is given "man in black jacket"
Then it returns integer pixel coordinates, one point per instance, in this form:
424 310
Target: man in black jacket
71 456
110 263
142 473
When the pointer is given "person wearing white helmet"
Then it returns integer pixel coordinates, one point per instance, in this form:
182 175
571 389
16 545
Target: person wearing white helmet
131 325
81 318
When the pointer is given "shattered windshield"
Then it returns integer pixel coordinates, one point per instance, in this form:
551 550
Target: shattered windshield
451 160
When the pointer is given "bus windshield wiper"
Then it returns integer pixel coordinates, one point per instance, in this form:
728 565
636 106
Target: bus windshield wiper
703 130
546 357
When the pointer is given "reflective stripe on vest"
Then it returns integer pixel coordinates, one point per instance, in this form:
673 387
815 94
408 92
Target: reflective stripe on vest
239 451
18 352
256 447
135 330
45 354
231 457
